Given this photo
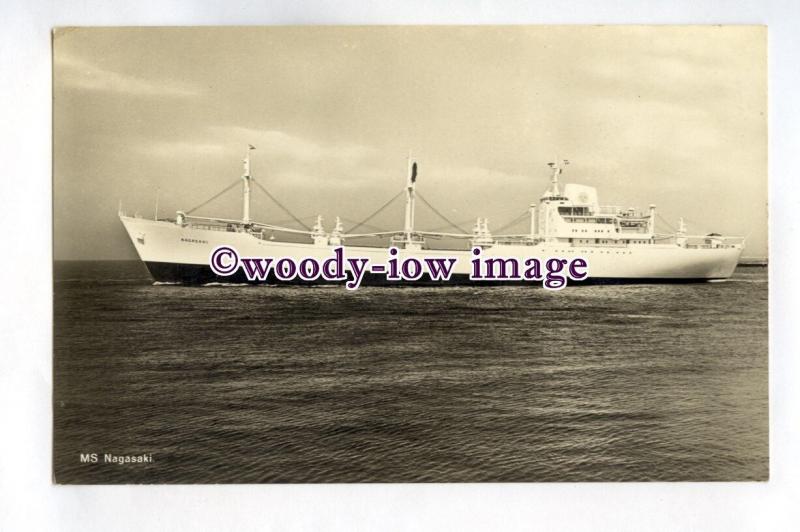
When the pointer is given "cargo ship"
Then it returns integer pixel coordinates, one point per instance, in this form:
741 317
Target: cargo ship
621 245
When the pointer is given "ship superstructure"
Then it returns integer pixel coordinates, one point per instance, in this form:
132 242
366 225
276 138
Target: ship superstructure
620 244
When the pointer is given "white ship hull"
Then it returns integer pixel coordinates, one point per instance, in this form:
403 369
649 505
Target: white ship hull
175 253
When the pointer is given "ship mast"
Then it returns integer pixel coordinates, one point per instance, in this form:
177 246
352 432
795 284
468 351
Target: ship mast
532 215
408 228
545 228
557 169
246 182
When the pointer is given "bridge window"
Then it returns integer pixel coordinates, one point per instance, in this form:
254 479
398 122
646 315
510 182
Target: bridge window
573 211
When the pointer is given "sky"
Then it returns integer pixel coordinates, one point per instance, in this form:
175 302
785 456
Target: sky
670 115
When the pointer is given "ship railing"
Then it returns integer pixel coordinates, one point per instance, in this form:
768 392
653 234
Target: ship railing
598 245
712 241
711 246
516 240
610 209
730 239
226 224
381 234
700 241
209 227
622 212
595 219
402 238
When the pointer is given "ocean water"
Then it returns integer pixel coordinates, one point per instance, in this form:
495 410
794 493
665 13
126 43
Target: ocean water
456 384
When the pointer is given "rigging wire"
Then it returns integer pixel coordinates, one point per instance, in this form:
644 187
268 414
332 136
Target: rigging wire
351 237
665 222
190 211
699 226
440 215
446 226
279 204
368 226
374 214
471 220
309 217
514 222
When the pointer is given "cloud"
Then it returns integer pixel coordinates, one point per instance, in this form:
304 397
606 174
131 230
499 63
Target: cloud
180 148
80 74
275 144
291 146
291 158
307 175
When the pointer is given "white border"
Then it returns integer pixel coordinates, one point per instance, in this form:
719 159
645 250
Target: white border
29 501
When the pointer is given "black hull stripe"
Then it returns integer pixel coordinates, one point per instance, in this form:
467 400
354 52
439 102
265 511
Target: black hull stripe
197 274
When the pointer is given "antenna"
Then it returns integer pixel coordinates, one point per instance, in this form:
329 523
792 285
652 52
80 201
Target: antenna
155 215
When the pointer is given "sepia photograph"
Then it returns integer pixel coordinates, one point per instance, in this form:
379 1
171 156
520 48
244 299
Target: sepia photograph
410 254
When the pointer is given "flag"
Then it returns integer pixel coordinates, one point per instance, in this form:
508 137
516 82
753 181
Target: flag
250 146
414 172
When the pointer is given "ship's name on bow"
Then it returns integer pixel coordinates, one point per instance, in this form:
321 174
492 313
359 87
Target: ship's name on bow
194 240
